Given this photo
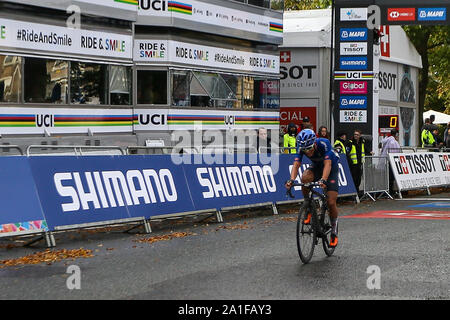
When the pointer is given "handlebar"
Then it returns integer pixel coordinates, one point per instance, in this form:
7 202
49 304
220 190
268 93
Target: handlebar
300 184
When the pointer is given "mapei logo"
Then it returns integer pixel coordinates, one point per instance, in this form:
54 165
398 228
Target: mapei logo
432 14
353 34
353 102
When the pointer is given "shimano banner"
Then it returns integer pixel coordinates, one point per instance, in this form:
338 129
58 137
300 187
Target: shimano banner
61 192
78 190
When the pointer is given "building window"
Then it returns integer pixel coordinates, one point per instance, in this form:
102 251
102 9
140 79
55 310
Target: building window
260 3
180 88
151 87
88 83
10 79
210 89
235 83
120 85
46 81
261 93
269 94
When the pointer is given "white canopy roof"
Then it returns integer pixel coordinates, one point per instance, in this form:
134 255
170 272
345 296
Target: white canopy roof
307 28
440 118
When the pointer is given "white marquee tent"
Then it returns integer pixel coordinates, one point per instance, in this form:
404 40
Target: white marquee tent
440 118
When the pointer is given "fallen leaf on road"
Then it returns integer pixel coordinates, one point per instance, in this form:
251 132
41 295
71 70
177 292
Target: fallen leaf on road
48 256
165 237
234 227
290 219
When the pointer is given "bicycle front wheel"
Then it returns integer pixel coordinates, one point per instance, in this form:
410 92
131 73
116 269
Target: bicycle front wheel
306 235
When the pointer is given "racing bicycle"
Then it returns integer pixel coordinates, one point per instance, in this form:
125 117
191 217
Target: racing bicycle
313 222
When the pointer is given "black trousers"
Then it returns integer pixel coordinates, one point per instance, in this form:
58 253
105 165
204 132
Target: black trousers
356 171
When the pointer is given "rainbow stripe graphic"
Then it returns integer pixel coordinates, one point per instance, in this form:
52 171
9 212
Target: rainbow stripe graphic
175 6
92 121
134 2
220 120
26 120
277 27
17 120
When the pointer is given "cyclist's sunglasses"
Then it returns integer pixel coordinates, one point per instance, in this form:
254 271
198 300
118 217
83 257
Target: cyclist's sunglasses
308 148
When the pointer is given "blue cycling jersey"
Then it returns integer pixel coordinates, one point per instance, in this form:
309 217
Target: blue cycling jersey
324 151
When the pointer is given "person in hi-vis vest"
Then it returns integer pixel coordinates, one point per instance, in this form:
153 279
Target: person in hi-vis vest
341 143
356 155
289 139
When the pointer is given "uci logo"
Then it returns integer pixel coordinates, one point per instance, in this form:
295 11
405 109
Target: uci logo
154 119
229 120
45 120
156 5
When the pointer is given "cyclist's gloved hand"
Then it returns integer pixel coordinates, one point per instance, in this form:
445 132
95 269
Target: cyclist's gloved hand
323 183
289 184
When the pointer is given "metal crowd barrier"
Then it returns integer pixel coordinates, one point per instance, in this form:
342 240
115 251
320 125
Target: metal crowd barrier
77 150
11 146
375 177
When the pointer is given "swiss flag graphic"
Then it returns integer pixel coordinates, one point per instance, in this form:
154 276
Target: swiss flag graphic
385 42
285 56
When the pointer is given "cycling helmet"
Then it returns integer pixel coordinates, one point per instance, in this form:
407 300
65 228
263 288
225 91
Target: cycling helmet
306 139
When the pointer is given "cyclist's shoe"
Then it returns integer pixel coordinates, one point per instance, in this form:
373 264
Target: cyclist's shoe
333 240
308 219
334 233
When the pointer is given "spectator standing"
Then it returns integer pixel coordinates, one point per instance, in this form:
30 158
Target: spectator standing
446 133
427 137
447 141
289 139
306 124
357 155
263 143
341 144
323 133
438 141
390 145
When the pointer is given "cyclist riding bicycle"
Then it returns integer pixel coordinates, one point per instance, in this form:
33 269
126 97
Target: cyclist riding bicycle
324 169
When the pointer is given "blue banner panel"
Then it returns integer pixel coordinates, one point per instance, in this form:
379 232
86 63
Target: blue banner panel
353 63
78 190
233 183
20 210
346 185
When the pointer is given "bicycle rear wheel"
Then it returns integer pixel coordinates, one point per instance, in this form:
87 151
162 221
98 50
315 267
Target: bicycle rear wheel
327 235
306 236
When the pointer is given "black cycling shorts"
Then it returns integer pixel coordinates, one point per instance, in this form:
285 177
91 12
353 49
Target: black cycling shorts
333 179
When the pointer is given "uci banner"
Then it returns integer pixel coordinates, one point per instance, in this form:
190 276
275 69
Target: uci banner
66 191
420 170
